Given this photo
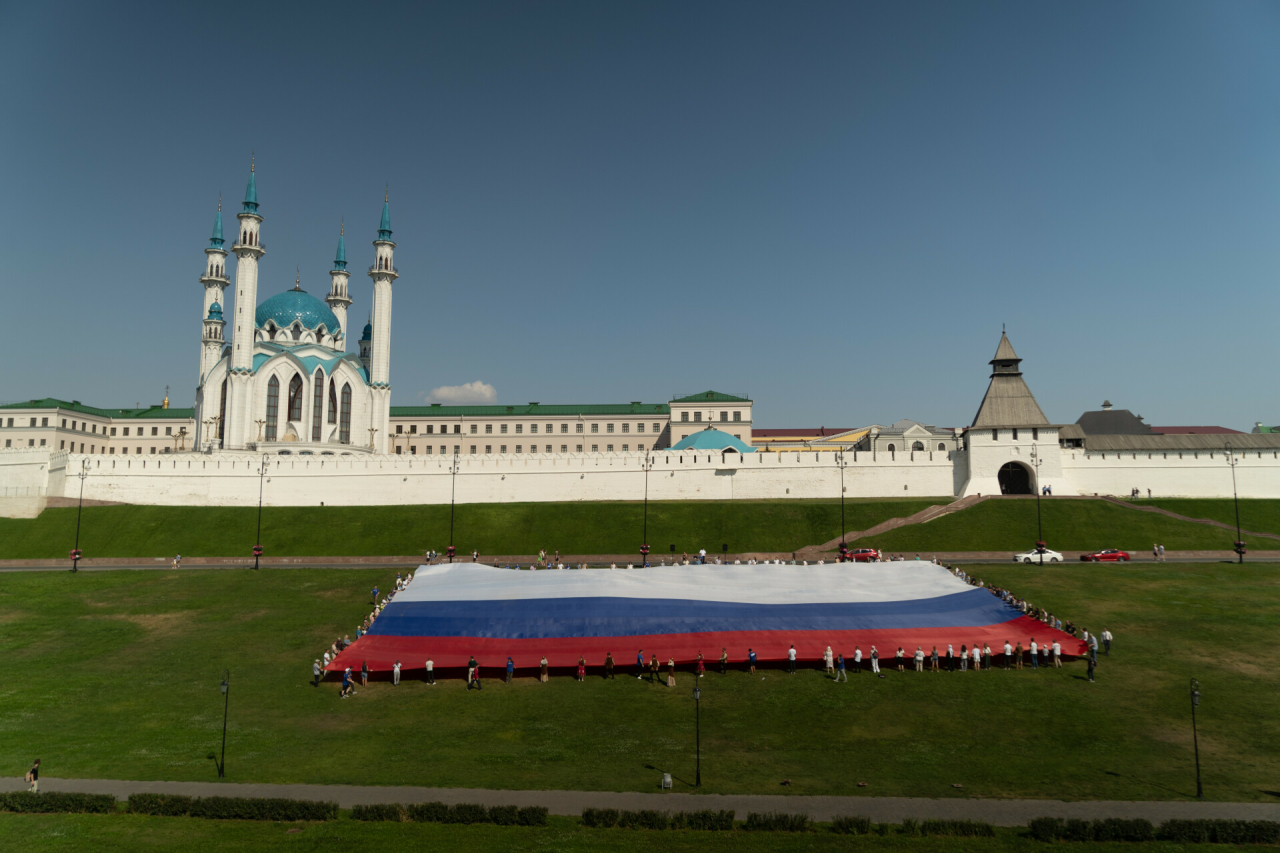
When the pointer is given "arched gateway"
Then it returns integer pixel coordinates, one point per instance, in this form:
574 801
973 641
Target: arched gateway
1015 479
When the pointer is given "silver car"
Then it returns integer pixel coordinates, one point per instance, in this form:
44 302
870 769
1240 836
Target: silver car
1033 556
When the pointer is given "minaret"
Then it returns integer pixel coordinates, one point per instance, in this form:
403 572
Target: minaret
339 298
248 249
383 272
214 280
366 343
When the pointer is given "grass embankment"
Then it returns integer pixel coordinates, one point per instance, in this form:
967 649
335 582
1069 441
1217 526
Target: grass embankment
522 528
118 677
90 833
1085 525
1262 516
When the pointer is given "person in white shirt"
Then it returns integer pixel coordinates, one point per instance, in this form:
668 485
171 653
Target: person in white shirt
875 661
1057 655
919 659
395 674
829 659
1106 641
791 660
1034 649
857 658
1008 654
431 674
317 672
977 657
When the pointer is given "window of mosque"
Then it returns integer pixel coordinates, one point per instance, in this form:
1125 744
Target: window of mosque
344 425
1035 434
333 404
995 435
317 404
295 398
1015 435
273 407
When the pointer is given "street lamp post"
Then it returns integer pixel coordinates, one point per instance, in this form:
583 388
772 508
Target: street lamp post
1040 546
226 700
75 552
1195 738
840 463
644 536
257 548
1233 462
453 491
697 735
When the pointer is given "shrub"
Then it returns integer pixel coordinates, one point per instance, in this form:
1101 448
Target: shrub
1116 829
851 825
504 815
704 819
1077 830
378 811
262 808
1046 829
910 826
1220 831
532 816
643 819
467 813
164 805
600 818
959 828
57 801
777 822
428 812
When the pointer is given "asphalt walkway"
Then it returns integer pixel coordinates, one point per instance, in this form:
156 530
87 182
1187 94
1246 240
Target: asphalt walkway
879 809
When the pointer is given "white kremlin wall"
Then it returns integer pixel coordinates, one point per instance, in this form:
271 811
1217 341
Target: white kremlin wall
1196 474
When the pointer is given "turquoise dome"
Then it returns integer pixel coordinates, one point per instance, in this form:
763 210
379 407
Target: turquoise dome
712 439
285 308
215 311
368 332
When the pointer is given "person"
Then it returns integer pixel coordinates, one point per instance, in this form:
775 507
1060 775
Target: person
1155 552
1093 647
724 660
1093 664
933 660
317 672
898 659
33 777
751 661
348 687
1057 655
1008 654
1106 641
395 674
177 561
964 658
374 592
475 677
875 661
639 664
977 657
1034 663
653 668
857 659
1017 656
840 673
919 659
542 670
986 656
511 668
829 661
364 674
582 668
608 665
701 666
1044 655
1162 554
475 556
671 672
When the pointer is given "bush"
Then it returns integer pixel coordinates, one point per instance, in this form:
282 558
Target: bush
1077 830
467 813
532 816
163 805
1117 829
378 811
57 801
600 818
428 812
958 828
504 815
704 819
643 819
1046 829
1220 831
262 808
777 822
910 826
852 825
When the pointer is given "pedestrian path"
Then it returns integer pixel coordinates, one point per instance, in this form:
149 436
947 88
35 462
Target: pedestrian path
878 809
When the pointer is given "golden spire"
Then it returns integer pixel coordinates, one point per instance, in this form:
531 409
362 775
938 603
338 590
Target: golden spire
297 281
342 229
253 158
386 198
219 202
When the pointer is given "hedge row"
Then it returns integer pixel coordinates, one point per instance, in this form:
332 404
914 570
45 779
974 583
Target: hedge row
705 819
460 813
1050 829
57 801
232 808
777 822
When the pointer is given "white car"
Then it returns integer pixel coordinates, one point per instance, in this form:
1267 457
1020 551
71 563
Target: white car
1033 556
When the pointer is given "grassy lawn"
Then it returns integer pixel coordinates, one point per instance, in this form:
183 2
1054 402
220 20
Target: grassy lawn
522 528
88 833
1262 516
115 674
1010 525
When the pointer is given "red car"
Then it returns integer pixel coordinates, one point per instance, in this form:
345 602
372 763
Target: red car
863 555
1110 555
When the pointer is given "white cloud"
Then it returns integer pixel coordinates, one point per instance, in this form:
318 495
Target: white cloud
472 392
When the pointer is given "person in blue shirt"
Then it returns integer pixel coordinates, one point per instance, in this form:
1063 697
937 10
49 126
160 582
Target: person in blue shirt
511 668
751 659
374 593
840 671
640 664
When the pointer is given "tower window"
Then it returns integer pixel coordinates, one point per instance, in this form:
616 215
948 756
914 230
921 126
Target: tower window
333 403
273 407
317 407
295 398
344 426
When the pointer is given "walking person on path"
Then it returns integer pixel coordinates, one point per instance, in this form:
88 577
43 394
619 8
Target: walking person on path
431 672
791 660
608 665
33 777
1155 553
1106 640
1162 553
875 661
1057 655
511 668
751 660
1093 648
840 673
395 675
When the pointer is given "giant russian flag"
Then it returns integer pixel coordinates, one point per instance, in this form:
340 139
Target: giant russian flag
452 612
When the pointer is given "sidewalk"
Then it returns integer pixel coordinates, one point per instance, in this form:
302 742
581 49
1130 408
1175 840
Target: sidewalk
879 809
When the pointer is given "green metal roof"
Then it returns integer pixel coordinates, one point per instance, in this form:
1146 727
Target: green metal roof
711 397
77 406
534 410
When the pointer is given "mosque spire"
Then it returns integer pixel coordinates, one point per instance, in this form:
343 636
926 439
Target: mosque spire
251 191
384 229
216 241
340 260
297 280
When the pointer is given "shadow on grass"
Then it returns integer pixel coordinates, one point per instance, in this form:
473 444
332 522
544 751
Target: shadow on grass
1272 793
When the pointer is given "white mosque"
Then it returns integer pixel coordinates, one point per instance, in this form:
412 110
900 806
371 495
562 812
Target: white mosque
280 377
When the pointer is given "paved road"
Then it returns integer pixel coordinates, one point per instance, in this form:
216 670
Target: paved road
879 809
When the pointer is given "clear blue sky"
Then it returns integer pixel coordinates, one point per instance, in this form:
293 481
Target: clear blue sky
830 206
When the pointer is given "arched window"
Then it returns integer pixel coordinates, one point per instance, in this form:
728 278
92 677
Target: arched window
333 403
297 331
317 408
295 398
892 448
917 445
344 426
273 407
941 446
222 410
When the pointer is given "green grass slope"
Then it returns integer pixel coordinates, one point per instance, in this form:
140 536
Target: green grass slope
116 676
1262 516
520 528
1086 525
